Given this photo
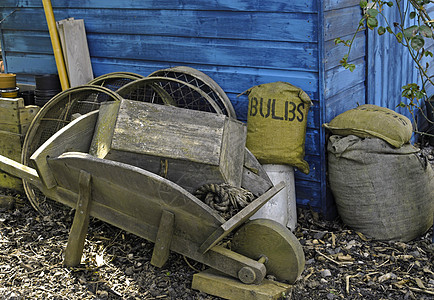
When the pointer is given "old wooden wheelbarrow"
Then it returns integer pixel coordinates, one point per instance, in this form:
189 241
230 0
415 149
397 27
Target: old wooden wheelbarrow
157 209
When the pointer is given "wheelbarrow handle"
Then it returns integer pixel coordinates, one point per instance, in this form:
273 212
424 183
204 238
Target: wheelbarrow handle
19 170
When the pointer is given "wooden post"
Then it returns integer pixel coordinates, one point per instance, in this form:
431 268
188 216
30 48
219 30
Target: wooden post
77 236
164 238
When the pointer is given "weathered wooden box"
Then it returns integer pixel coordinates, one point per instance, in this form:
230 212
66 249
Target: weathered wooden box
188 147
15 119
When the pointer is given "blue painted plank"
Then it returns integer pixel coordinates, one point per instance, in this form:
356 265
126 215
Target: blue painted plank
339 4
232 79
31 64
314 175
334 53
309 194
230 5
340 79
342 22
296 27
177 49
345 100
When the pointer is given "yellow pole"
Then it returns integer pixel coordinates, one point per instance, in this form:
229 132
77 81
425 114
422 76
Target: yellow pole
57 49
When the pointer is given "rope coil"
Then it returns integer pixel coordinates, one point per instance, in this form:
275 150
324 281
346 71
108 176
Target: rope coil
227 200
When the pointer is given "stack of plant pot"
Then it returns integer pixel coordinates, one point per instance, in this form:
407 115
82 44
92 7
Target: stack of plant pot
8 86
47 86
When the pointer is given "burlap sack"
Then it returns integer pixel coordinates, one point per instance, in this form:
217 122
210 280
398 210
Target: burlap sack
381 191
373 121
276 124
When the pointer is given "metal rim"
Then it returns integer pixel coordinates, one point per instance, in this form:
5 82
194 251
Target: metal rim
163 87
202 81
64 98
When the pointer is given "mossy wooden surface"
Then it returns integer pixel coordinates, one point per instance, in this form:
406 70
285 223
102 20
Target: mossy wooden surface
15 119
190 148
217 284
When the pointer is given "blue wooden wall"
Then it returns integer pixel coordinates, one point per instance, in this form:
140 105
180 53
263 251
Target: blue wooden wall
390 65
239 43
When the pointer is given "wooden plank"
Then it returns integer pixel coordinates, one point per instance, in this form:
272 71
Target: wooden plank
144 195
76 136
161 250
345 100
9 110
27 114
334 53
224 5
199 147
19 170
339 4
77 52
10 145
294 27
239 218
341 22
77 235
254 178
218 284
217 51
339 79
105 126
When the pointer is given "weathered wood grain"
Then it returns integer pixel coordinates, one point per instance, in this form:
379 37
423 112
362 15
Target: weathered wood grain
196 147
77 235
76 51
76 136
241 217
161 250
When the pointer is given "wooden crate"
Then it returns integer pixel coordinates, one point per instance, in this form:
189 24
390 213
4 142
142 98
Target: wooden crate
15 119
190 148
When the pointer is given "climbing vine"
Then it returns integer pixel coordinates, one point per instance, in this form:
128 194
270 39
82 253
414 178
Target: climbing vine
414 38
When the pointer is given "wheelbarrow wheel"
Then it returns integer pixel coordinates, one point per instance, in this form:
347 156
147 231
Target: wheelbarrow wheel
284 257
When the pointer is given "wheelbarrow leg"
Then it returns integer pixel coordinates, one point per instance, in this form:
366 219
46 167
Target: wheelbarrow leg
164 238
77 235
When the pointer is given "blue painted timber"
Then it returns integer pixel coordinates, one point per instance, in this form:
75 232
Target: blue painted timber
239 43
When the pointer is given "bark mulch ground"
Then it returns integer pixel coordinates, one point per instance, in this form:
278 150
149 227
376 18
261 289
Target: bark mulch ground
340 263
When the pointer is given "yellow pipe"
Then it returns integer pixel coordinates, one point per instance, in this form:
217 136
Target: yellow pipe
57 49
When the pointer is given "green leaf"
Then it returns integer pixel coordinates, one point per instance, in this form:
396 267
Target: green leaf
417 42
381 30
426 31
363 3
412 15
372 23
372 12
399 37
428 53
411 31
351 67
390 3
401 104
389 30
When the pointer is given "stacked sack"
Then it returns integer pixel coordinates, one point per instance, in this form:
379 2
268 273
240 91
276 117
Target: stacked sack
382 185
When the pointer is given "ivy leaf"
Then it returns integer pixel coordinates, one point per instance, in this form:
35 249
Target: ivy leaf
428 53
426 31
363 3
411 31
390 3
417 42
389 30
372 12
381 30
372 22
412 15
